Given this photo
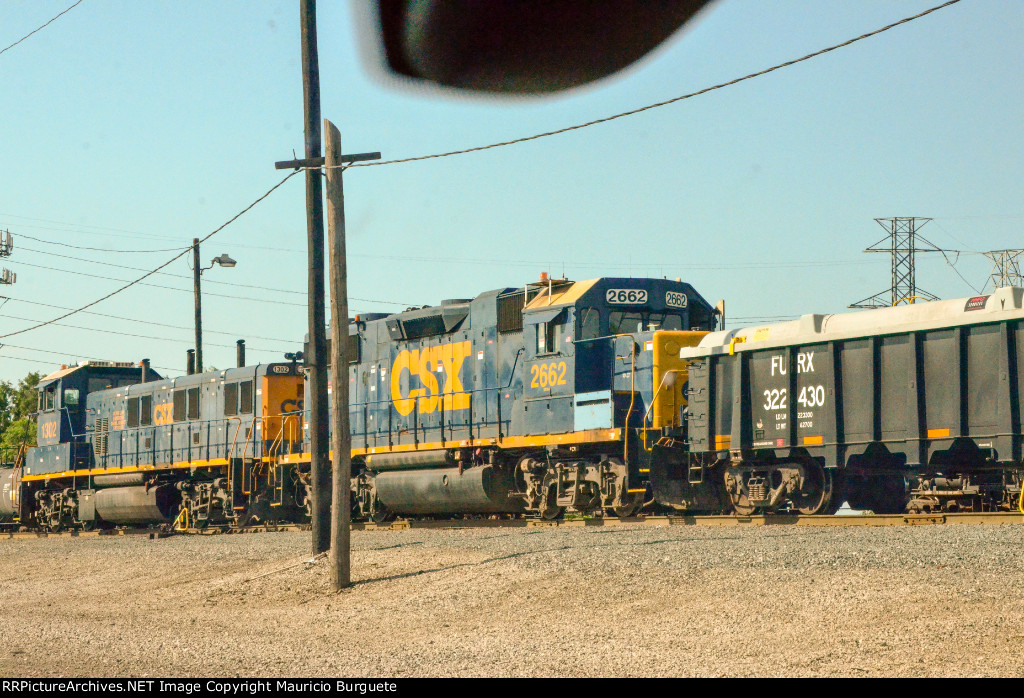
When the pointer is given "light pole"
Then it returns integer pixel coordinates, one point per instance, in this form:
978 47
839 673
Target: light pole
225 261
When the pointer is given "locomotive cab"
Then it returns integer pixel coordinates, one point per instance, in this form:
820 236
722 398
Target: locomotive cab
61 415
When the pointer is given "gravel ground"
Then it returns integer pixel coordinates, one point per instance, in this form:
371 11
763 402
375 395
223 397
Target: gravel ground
625 601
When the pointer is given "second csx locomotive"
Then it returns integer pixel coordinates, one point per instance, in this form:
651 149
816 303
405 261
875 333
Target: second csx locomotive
550 398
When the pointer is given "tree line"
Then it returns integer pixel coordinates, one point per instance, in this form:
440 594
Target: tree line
17 403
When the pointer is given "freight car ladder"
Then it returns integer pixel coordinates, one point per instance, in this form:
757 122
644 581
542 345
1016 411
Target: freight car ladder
19 463
695 473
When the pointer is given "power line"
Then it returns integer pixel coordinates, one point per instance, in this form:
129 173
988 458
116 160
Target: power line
185 290
105 330
952 265
63 353
41 27
163 273
150 273
658 104
97 249
149 285
145 322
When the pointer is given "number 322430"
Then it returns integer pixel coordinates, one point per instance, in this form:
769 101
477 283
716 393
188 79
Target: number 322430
545 375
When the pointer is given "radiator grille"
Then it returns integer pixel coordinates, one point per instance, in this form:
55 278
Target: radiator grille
510 312
99 437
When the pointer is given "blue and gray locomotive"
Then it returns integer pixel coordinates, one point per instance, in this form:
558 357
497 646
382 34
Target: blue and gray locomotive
119 445
538 400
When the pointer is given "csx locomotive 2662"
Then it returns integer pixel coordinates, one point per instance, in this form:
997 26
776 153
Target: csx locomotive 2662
536 400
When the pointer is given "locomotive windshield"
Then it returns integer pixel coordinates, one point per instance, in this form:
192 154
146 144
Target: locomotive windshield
622 322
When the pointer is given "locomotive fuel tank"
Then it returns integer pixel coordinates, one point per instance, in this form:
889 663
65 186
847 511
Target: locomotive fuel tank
8 495
447 491
137 505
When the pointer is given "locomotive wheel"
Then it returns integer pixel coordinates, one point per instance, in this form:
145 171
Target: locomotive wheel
381 514
549 510
631 507
625 511
816 497
89 525
741 506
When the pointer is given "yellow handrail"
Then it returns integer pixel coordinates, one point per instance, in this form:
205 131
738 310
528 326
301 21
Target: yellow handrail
183 514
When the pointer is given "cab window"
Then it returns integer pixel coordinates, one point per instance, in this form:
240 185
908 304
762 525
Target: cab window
71 399
625 323
588 323
550 335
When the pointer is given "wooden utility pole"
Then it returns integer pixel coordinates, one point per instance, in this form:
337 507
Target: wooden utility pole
197 274
323 535
317 396
341 438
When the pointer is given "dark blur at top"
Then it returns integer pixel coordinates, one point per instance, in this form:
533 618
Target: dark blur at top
522 46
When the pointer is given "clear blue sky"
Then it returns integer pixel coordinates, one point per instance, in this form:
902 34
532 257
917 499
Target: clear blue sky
140 125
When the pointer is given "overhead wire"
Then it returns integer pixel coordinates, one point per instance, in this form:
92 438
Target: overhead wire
485 147
106 330
160 286
98 249
154 271
77 355
147 322
51 21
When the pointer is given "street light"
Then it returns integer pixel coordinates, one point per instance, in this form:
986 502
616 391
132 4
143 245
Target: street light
225 261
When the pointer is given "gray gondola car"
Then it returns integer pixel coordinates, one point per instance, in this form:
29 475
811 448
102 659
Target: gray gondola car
913 407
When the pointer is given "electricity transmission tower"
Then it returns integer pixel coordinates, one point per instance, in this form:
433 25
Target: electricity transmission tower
902 243
1005 268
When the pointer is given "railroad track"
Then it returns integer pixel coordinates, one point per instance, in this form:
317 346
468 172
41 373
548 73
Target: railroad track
984 519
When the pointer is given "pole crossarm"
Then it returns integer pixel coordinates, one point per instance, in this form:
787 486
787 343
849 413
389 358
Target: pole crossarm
320 162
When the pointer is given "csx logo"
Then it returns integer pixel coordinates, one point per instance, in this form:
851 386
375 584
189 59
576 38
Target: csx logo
422 366
163 414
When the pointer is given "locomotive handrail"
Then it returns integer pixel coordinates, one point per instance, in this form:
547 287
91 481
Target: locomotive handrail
277 485
655 399
632 397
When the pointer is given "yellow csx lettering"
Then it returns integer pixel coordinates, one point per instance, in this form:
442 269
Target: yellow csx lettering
423 364
48 430
163 414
